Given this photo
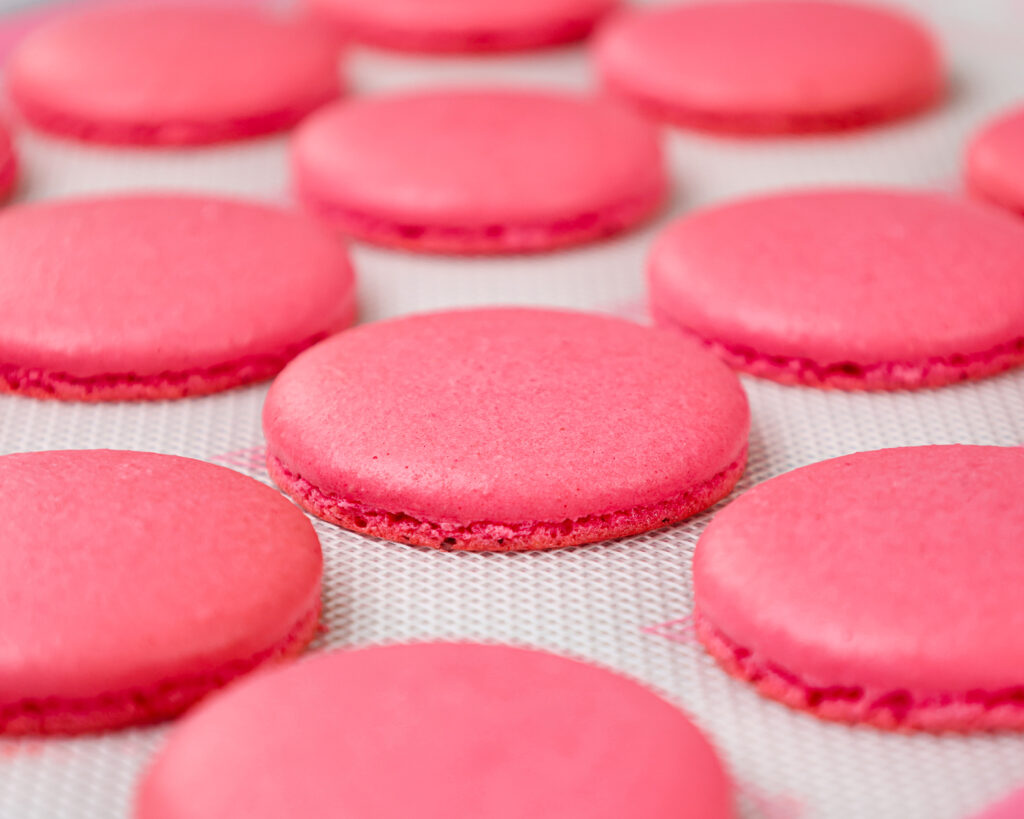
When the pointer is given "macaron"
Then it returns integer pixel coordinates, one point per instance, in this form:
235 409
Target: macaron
851 289
161 296
169 74
770 66
436 730
880 588
135 583
995 162
1010 807
461 26
517 429
479 171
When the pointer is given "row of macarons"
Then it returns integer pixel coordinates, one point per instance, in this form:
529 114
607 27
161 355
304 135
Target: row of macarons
186 73
172 578
794 668
523 429
801 588
169 74
841 288
165 295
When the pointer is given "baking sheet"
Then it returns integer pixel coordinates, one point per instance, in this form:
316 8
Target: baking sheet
623 604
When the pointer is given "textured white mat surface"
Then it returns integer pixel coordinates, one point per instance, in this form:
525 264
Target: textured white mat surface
622 604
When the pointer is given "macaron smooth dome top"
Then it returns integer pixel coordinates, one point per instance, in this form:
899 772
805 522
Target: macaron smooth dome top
880 587
995 162
461 25
518 429
171 73
855 288
436 730
479 170
764 66
158 296
134 583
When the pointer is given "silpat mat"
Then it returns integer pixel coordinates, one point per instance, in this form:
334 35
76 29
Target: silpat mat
623 604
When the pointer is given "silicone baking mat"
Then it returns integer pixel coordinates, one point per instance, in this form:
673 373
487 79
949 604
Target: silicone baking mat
623 604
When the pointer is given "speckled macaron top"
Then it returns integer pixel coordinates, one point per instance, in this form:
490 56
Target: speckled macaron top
161 295
880 587
499 732
848 288
135 583
494 170
506 428
171 73
770 66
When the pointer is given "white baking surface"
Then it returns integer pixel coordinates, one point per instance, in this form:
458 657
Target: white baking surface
621 604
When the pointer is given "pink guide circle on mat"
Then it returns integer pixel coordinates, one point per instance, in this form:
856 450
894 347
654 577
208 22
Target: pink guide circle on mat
851 289
516 429
995 162
466 26
479 171
1011 807
881 587
770 66
135 583
436 730
171 74
161 296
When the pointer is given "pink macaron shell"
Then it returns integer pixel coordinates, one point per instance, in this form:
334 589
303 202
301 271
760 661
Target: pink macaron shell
171 73
518 429
134 583
995 162
461 26
880 587
8 164
855 289
1010 807
485 171
775 66
151 296
484 731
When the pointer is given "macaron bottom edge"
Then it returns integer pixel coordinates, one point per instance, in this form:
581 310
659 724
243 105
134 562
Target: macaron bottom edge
892 710
141 706
493 239
996 195
9 172
37 383
488 536
853 376
739 123
176 133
